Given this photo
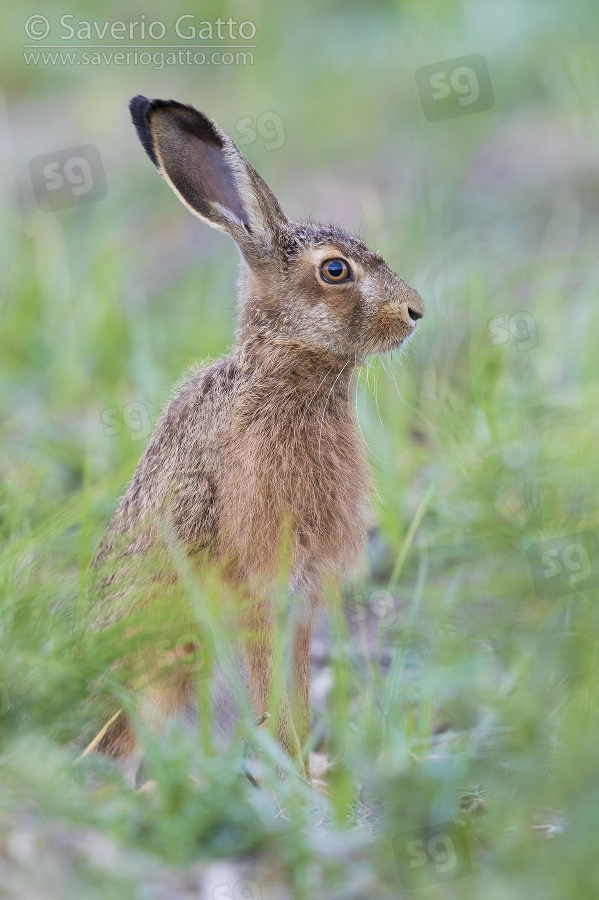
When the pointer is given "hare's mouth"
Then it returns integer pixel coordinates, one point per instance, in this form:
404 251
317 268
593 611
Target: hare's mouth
395 345
380 348
387 333
389 345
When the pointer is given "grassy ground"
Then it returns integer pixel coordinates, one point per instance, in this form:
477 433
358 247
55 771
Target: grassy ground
456 689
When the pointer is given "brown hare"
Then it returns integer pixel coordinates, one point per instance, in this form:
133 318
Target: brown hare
263 442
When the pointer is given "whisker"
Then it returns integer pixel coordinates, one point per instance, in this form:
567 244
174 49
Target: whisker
372 453
395 379
355 370
397 354
376 390
319 387
326 402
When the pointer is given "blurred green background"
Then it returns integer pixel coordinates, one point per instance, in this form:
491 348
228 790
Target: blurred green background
457 692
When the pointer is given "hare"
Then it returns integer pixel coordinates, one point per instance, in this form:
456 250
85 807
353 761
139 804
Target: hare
263 441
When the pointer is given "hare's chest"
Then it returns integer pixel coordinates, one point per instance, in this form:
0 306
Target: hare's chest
306 482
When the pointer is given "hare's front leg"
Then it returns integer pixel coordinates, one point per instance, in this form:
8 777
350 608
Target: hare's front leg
291 722
294 718
300 685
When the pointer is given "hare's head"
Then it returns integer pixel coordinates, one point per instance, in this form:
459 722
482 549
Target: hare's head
309 284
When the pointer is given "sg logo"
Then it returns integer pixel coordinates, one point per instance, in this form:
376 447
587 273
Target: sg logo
134 417
165 654
68 178
380 604
455 87
432 855
520 326
565 565
268 126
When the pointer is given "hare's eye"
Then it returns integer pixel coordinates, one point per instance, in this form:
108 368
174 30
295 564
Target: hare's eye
334 271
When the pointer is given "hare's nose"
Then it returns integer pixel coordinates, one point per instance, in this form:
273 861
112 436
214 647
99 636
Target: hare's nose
415 306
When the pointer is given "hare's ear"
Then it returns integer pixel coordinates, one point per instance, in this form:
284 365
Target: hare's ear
206 170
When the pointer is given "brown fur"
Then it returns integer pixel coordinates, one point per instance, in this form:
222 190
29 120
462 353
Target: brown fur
264 440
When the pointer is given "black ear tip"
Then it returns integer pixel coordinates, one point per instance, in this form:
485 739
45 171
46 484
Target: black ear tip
139 107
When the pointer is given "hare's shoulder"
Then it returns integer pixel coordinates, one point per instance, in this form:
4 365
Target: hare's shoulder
203 391
179 464
190 427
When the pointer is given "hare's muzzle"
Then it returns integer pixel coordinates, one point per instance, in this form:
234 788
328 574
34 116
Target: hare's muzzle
415 307
411 309
396 319
413 304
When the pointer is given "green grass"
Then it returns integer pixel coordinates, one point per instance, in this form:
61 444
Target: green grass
458 691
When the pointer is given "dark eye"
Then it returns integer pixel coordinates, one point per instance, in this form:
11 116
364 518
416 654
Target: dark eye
334 271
